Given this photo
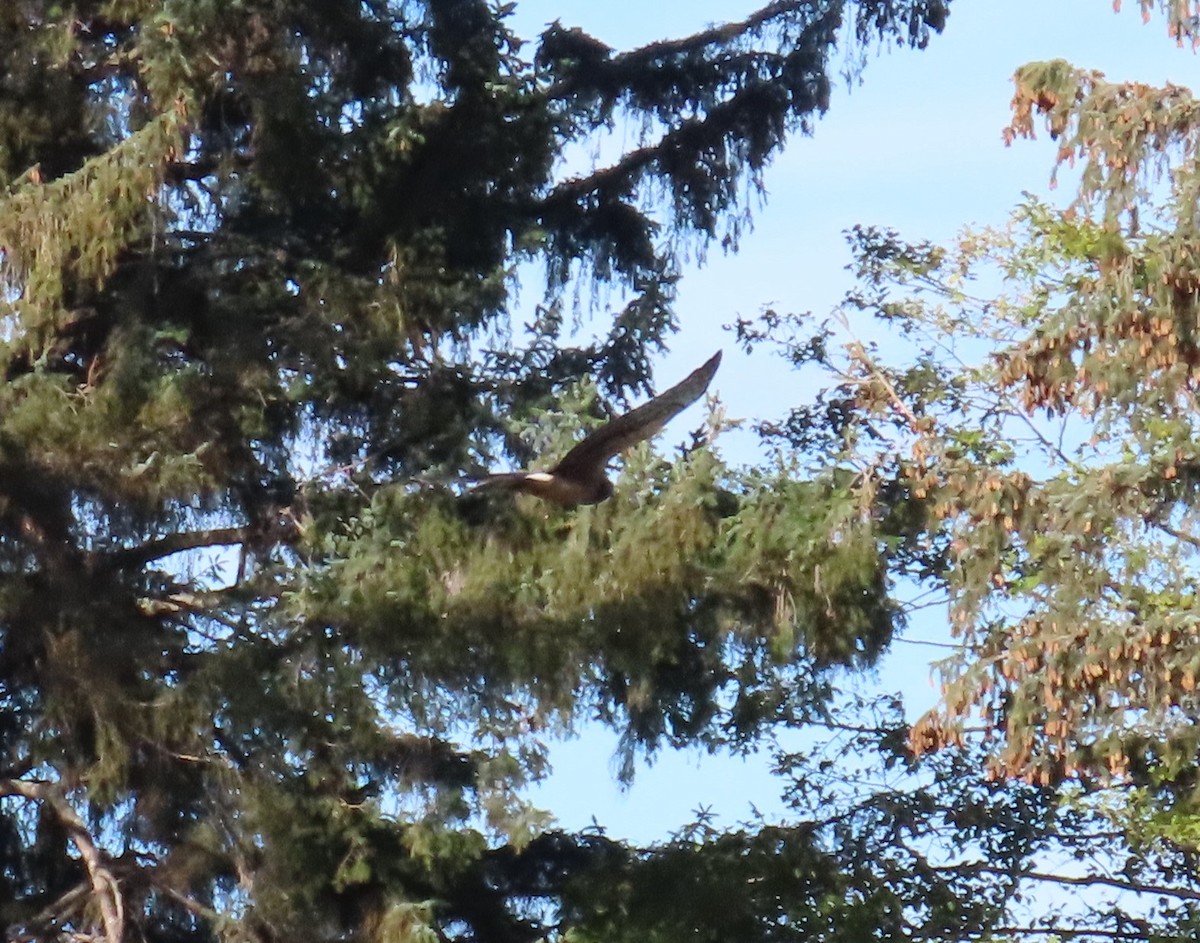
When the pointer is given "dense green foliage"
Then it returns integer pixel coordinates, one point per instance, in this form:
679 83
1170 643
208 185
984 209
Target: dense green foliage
262 676
268 673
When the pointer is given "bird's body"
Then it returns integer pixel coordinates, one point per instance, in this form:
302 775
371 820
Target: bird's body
557 489
579 478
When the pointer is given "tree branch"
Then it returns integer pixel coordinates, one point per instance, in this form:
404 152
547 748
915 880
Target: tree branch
644 56
284 531
1136 887
720 34
1071 933
858 355
105 889
60 910
1178 534
177 543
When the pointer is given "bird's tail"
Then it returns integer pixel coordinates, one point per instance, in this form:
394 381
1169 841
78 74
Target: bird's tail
501 481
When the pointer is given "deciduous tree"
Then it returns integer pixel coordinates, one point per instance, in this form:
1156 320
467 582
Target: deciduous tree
1041 430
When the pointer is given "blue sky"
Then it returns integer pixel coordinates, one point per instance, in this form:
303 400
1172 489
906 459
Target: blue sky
915 147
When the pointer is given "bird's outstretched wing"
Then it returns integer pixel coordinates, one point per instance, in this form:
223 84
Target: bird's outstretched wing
590 456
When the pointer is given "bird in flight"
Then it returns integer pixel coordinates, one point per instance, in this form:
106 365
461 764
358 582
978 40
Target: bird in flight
579 476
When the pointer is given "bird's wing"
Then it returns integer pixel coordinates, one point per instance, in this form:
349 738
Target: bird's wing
591 455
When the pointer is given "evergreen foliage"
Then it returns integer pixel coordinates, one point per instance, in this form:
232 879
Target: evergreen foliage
261 676
267 673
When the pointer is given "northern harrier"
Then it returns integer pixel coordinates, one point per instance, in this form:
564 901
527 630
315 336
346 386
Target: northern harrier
579 477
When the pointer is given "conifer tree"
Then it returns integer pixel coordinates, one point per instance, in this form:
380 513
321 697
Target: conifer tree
265 673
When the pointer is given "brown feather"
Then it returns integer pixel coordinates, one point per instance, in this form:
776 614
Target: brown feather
579 478
590 456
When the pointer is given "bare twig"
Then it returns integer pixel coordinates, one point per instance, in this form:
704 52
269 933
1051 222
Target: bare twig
1178 534
191 906
61 908
1090 880
858 355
